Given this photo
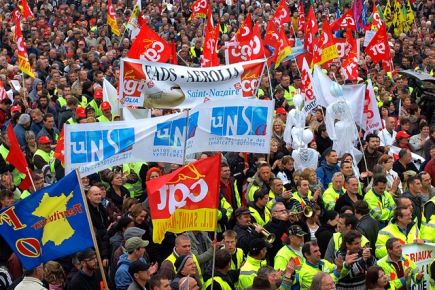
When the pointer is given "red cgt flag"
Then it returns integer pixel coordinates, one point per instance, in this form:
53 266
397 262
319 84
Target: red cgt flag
186 199
345 21
25 9
311 29
149 46
282 14
301 20
210 56
199 9
378 48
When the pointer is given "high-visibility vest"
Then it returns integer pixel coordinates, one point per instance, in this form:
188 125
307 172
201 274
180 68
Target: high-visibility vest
381 207
283 257
308 271
288 95
83 101
171 258
62 102
17 176
249 271
393 231
428 226
239 260
44 155
258 219
71 121
224 285
228 212
390 271
103 119
338 240
300 199
134 188
330 197
25 194
96 108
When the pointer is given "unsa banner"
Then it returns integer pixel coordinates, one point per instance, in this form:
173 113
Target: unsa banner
92 147
160 85
231 125
422 256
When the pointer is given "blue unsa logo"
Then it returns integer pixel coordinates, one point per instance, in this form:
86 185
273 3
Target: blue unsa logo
171 133
94 146
239 121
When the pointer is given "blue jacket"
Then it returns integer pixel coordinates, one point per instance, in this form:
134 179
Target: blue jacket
325 172
20 133
122 277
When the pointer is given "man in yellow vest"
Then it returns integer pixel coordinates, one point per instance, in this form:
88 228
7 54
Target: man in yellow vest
182 248
256 259
237 256
107 113
96 102
259 211
334 191
302 197
398 267
346 223
428 221
262 179
314 264
44 154
221 279
401 227
291 250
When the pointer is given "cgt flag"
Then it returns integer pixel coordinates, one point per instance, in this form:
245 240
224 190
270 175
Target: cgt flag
23 61
186 199
47 225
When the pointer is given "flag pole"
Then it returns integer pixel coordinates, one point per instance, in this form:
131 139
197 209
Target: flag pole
214 257
91 228
31 179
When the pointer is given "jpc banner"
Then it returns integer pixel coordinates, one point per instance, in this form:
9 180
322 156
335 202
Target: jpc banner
422 256
93 147
235 125
161 85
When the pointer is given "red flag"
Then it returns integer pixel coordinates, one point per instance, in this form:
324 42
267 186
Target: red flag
150 46
60 147
186 199
378 48
16 156
272 42
25 9
247 46
210 57
282 14
301 20
244 30
174 59
111 19
345 21
349 68
311 29
376 19
199 9
326 46
23 61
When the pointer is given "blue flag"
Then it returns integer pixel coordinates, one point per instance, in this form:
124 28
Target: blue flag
47 225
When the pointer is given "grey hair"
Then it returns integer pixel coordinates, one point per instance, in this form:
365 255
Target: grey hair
316 284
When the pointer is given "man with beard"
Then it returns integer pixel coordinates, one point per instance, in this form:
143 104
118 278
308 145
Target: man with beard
291 250
278 225
88 278
43 105
371 154
49 129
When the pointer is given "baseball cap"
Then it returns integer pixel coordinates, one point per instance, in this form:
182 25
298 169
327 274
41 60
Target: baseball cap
98 94
241 211
80 113
16 108
135 243
281 111
137 266
105 106
296 230
44 140
256 245
133 232
402 134
86 254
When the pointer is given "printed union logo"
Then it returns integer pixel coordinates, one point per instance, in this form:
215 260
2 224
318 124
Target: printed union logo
94 146
171 133
239 121
193 124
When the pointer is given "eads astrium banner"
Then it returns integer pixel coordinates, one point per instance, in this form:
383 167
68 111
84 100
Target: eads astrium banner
93 147
161 85
186 199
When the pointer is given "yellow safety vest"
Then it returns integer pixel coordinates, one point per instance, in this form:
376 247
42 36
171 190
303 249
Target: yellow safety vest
96 108
249 271
103 119
134 188
62 102
71 121
45 156
393 231
228 212
258 219
17 176
172 259
308 271
330 197
381 207
395 282
224 285
239 260
338 240
428 226
283 257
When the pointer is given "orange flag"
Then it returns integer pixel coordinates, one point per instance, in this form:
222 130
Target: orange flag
23 61
111 19
186 199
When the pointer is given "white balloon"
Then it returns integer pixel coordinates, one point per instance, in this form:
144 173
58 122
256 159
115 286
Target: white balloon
307 136
298 100
336 90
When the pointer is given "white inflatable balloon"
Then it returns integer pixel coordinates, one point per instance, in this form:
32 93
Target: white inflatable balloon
307 136
298 100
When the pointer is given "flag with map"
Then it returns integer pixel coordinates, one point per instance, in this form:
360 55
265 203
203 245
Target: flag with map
47 225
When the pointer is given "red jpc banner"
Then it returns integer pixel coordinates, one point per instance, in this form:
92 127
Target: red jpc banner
186 199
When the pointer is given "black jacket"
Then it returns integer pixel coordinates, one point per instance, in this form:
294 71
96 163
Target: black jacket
278 228
100 222
369 227
244 236
323 235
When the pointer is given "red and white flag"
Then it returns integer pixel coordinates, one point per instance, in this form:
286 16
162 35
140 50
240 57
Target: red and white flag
311 29
199 9
248 45
282 14
310 102
371 117
378 48
301 20
210 56
150 46
326 49
349 68
345 21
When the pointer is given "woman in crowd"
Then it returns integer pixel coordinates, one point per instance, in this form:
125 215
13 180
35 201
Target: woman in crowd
376 279
117 192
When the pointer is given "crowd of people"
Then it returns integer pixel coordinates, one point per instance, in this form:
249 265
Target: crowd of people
339 224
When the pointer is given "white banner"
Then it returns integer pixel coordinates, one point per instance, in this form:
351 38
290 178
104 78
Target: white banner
95 146
422 256
129 114
111 95
234 125
162 85
353 94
